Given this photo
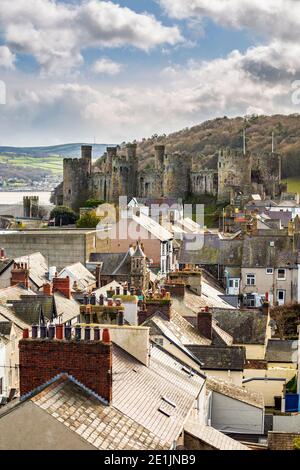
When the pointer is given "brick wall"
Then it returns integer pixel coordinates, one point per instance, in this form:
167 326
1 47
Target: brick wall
281 440
88 362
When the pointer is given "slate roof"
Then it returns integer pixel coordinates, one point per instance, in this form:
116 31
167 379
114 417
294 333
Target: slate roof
104 427
109 261
242 394
258 252
220 358
5 328
156 230
29 309
281 350
212 437
214 251
245 326
14 293
38 267
8 314
78 271
159 397
178 329
66 309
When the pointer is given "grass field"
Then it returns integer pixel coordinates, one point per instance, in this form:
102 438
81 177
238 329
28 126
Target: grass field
293 184
51 163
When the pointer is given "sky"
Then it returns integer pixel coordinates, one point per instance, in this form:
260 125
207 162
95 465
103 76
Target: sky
114 71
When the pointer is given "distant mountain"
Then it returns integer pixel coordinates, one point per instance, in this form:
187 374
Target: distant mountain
64 150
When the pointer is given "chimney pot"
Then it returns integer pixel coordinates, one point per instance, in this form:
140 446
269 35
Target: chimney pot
59 332
43 331
34 331
78 333
118 291
106 336
93 299
87 333
68 332
125 291
51 332
121 318
96 334
26 333
101 299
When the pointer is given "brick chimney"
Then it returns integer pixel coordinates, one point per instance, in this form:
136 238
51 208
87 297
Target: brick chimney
156 305
47 289
62 285
88 361
20 275
204 323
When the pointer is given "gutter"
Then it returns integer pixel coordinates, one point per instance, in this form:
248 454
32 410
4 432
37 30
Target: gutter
262 379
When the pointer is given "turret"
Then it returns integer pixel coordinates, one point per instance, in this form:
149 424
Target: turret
159 156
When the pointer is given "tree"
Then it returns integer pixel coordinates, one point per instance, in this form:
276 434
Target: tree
88 220
63 215
93 203
286 318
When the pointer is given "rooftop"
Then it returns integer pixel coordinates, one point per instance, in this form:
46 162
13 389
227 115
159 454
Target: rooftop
220 358
233 391
281 350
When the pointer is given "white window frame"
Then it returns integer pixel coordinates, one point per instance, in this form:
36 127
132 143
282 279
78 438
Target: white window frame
281 278
269 271
250 276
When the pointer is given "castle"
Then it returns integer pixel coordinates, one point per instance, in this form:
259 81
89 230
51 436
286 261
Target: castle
174 175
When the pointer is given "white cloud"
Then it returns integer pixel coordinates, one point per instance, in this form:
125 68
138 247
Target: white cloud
7 58
107 66
57 33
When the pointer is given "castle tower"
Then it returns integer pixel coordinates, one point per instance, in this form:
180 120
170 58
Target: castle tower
77 178
31 206
176 175
159 156
139 274
234 173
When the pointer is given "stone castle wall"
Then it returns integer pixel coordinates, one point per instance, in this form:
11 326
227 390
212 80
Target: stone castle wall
173 175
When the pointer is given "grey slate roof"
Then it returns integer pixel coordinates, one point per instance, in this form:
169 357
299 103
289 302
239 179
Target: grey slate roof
104 427
5 328
245 326
109 261
38 267
219 358
242 394
214 251
141 392
212 437
281 350
258 252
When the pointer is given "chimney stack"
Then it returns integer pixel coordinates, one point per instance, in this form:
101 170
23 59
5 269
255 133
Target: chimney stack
62 285
88 360
204 323
47 289
20 275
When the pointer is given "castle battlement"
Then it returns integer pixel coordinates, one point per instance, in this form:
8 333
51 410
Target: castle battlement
174 175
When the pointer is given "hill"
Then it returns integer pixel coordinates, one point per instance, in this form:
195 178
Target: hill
29 163
207 138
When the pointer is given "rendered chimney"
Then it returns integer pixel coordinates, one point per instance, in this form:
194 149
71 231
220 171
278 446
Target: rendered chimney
88 361
204 322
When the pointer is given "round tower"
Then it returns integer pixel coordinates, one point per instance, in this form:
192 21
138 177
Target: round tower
234 173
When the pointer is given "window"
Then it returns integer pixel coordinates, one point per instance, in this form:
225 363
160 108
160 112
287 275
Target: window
269 271
250 279
281 274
